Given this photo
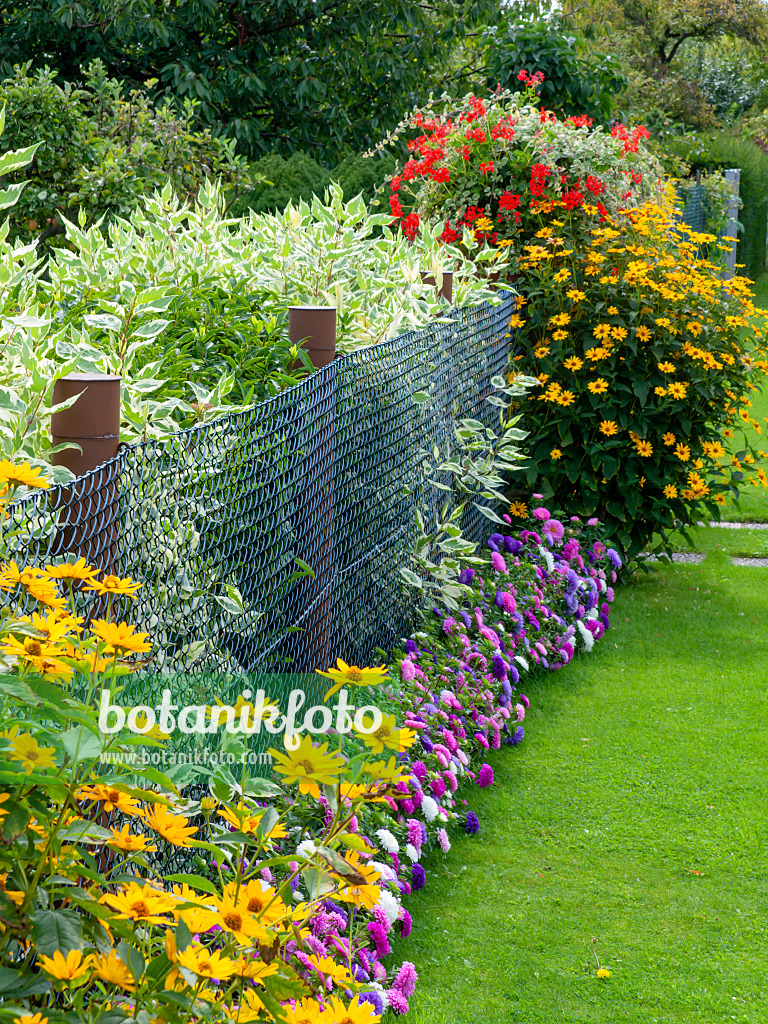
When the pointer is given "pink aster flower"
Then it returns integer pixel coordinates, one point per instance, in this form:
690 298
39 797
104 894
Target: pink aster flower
541 513
407 671
553 530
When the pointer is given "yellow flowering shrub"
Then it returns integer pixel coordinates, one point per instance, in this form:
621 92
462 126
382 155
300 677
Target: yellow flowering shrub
647 359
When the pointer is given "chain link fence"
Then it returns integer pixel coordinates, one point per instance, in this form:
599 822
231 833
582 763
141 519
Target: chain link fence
218 522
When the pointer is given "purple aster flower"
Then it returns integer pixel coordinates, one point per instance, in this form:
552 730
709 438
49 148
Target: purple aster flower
374 999
498 667
418 877
512 545
472 823
466 576
498 598
498 562
406 979
485 776
407 924
419 769
465 619
553 530
426 742
397 1002
524 700
517 737
615 558
494 541
411 647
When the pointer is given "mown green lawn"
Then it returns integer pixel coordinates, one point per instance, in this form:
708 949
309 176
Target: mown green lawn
635 813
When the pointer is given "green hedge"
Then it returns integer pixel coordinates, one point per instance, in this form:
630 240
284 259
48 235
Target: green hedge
718 149
301 177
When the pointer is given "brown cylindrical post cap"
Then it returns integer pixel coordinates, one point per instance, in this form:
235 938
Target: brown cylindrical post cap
92 421
316 327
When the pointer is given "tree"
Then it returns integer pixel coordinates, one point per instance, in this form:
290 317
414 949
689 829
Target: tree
100 152
327 76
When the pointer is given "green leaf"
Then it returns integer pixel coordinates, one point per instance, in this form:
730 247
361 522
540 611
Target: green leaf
410 577
194 882
56 930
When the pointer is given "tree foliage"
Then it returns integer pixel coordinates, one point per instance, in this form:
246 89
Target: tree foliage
325 76
100 152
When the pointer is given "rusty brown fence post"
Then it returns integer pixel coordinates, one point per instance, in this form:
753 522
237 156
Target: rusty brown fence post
446 289
88 514
315 326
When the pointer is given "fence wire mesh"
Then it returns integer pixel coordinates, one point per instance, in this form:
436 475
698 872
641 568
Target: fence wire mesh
328 472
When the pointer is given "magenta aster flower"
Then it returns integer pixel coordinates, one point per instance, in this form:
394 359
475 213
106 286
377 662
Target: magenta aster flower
553 530
485 776
541 513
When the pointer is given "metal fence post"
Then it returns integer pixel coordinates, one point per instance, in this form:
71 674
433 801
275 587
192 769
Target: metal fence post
732 176
316 326
87 521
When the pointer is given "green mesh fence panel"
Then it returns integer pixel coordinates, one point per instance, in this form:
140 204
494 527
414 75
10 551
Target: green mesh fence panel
328 472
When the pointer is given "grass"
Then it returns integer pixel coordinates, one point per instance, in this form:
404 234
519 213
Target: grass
633 813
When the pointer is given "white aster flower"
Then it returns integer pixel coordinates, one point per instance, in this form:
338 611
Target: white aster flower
389 904
586 636
412 852
429 808
387 872
306 849
387 840
547 556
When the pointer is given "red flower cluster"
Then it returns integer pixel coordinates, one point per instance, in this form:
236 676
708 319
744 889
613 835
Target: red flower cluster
631 140
539 175
533 80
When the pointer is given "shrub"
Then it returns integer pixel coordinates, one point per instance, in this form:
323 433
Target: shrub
102 152
483 165
286 181
638 347
362 173
721 149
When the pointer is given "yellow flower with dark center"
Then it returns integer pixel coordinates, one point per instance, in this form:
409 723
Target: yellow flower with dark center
140 903
113 971
518 509
309 765
388 735
669 438
619 333
309 1011
244 820
112 798
115 586
670 491
555 454
351 675
175 828
660 391
598 387
33 757
683 452
575 295
206 964
573 363
644 333
608 427
560 335
119 636
258 899
602 331
566 398
53 626
677 390
71 571
612 311
233 916
713 449
667 367
128 842
644 448
65 968
359 886
560 319
596 354
251 1009
561 275
541 351
22 475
